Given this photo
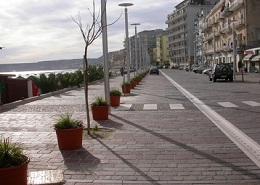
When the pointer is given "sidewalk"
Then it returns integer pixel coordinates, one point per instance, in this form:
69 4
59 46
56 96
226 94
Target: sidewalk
146 146
248 77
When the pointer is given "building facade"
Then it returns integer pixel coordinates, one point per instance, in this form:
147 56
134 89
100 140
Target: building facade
229 29
162 52
198 39
181 30
146 42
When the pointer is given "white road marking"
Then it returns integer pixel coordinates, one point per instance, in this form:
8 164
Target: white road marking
227 104
245 143
124 107
252 103
176 106
150 107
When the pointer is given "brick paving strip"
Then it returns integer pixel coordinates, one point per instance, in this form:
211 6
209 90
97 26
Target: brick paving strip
146 147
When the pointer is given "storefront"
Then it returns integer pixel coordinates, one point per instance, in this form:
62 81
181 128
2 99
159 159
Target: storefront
255 63
251 60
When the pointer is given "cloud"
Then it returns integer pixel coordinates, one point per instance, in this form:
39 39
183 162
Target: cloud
34 30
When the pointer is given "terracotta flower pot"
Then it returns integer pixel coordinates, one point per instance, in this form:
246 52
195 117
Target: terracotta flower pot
114 100
100 112
16 175
133 84
126 89
69 139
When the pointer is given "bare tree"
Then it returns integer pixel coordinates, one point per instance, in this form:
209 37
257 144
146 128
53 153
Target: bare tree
89 33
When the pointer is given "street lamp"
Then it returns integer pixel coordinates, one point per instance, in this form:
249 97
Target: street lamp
234 34
105 49
136 57
127 39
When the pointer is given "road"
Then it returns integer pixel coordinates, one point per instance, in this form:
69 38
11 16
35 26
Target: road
238 102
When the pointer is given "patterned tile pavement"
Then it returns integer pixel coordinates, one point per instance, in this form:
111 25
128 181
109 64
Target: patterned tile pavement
146 147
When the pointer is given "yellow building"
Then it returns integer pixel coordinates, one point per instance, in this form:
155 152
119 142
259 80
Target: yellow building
162 52
229 29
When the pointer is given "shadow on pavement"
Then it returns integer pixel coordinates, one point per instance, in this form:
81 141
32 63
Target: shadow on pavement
74 158
191 149
148 178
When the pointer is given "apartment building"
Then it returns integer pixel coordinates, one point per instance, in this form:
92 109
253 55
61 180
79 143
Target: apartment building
181 30
198 41
146 42
229 29
162 52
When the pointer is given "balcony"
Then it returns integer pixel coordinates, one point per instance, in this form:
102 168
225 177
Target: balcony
236 5
209 50
176 40
180 31
176 24
177 48
224 29
217 34
220 18
226 12
175 17
215 22
239 23
209 37
206 27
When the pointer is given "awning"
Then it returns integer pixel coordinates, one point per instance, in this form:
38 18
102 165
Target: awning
248 57
256 58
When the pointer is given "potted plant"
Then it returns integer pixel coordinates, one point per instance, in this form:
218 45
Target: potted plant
133 83
126 87
100 109
69 132
115 95
13 163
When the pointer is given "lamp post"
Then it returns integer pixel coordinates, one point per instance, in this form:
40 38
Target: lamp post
214 49
105 49
1 47
234 49
136 57
140 54
127 39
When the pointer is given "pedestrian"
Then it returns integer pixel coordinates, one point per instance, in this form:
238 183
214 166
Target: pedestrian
122 71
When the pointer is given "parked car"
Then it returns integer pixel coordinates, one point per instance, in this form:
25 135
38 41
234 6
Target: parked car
198 69
154 70
221 71
187 68
207 71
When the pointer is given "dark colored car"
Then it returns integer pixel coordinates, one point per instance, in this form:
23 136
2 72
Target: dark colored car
154 70
221 71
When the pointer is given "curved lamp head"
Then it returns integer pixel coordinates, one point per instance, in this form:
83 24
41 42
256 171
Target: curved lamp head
135 24
125 4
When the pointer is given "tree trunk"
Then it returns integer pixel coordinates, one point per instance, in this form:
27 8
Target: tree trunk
86 88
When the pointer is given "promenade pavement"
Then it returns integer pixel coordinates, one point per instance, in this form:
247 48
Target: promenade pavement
146 146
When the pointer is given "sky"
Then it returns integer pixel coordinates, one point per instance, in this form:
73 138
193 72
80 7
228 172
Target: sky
37 30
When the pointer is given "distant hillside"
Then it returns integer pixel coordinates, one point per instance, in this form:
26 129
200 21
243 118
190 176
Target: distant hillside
49 65
115 60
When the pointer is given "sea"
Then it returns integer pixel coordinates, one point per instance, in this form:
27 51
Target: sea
26 74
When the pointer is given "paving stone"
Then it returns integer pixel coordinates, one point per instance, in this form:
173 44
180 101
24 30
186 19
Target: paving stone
162 146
